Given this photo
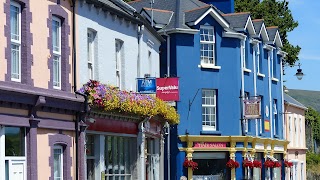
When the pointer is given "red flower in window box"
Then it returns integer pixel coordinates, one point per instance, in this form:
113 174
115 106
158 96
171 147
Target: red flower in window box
277 164
257 164
232 164
268 164
247 163
288 164
189 163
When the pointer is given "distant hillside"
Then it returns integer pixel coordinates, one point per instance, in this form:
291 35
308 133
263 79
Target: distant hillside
307 98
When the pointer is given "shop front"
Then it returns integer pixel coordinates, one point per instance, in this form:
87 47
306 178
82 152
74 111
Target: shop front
233 157
123 147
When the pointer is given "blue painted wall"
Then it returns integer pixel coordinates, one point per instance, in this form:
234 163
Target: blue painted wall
185 61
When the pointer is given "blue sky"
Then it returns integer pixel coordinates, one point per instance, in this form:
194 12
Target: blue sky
307 36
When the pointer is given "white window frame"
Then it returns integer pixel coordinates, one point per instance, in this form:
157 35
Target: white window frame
213 42
57 54
295 132
290 129
61 163
300 134
90 52
119 59
214 106
16 42
243 54
246 97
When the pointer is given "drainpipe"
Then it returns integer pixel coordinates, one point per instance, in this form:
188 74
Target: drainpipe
255 80
139 31
282 100
78 115
141 146
242 86
270 101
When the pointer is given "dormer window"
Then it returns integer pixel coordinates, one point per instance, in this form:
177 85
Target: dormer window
207 43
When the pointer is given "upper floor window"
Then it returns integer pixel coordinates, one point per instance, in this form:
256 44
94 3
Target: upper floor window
56 45
276 122
58 162
258 59
150 62
274 65
90 53
243 54
119 62
207 43
209 110
15 23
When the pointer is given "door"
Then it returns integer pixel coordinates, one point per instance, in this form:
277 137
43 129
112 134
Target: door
16 169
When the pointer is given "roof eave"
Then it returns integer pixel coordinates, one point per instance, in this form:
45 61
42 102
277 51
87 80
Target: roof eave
215 15
249 26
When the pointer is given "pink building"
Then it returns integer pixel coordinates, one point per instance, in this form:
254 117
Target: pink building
294 116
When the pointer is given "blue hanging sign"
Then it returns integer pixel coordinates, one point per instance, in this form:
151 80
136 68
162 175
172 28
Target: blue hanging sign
146 85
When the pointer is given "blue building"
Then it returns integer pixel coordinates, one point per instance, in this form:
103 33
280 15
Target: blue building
231 101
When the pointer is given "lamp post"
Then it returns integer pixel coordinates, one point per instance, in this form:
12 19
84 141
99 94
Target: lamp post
299 74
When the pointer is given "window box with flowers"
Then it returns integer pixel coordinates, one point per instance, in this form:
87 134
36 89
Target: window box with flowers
247 166
287 164
109 99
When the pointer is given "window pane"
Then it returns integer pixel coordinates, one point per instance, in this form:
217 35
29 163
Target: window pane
15 141
14 22
15 61
56 71
57 171
56 35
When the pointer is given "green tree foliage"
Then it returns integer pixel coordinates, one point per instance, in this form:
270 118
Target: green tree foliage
313 119
274 13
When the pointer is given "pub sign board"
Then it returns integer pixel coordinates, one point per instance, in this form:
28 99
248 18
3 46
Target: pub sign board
252 109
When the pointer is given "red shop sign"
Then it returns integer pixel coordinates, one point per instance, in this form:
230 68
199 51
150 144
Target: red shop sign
210 145
168 89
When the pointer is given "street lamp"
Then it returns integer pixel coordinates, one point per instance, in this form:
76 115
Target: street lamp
299 74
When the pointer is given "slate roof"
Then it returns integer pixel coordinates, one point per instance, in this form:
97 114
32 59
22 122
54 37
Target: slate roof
159 16
257 23
237 20
290 100
185 11
272 31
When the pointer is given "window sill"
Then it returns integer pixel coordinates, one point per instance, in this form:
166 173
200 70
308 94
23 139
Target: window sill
209 66
246 70
276 136
275 79
210 132
15 80
261 75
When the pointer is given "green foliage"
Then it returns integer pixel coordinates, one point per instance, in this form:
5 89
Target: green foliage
313 119
274 13
313 161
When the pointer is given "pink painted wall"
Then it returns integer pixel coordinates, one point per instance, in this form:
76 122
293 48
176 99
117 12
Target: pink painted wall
39 49
44 150
3 43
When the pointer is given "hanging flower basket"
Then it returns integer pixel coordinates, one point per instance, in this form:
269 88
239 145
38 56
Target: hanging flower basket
277 164
287 164
232 164
268 164
189 163
257 164
106 98
247 163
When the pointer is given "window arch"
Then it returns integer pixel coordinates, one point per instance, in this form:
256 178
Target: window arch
60 145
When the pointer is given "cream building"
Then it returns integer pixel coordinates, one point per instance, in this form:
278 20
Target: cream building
294 116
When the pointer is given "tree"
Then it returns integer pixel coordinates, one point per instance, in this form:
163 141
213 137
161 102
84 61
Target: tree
274 13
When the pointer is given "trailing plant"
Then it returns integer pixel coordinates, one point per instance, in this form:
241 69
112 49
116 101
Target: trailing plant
287 163
189 163
257 164
268 164
247 163
232 164
107 98
277 164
